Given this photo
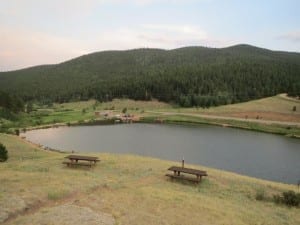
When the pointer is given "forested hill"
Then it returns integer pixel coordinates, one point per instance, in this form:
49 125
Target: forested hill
188 76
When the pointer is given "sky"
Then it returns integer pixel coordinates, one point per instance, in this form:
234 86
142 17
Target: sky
34 32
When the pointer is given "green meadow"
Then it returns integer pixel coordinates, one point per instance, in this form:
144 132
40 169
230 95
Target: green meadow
272 115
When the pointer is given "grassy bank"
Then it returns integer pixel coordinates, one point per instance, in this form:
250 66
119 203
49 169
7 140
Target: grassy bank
277 109
132 189
291 131
75 113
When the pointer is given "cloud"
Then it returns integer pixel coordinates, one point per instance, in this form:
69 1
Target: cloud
184 29
171 36
23 48
71 8
53 8
147 2
291 36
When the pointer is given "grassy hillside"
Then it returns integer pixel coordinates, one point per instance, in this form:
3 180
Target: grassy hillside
36 188
188 76
276 108
273 115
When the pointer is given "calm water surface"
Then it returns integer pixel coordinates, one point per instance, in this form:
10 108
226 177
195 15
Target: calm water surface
254 154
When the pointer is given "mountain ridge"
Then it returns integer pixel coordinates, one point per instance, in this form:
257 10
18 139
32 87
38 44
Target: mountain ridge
160 49
169 75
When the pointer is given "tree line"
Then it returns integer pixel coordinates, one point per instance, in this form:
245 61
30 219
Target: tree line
192 76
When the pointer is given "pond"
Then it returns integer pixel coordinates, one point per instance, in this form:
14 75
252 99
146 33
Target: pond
260 155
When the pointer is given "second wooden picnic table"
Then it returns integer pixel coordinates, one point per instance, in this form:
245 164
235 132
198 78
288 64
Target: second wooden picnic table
81 160
177 170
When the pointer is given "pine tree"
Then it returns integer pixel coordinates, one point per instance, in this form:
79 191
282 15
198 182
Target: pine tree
3 153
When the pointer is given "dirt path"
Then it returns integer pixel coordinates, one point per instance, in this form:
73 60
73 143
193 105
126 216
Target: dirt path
262 121
64 211
286 97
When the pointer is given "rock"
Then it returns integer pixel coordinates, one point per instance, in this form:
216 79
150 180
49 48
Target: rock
68 215
10 205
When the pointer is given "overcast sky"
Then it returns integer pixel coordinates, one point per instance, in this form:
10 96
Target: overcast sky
34 32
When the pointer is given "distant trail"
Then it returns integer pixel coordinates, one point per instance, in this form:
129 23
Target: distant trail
229 118
286 97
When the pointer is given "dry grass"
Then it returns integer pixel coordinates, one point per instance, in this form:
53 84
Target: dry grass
278 108
67 214
75 105
117 104
133 189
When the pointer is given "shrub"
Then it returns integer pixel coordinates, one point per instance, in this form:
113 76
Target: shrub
277 199
260 195
80 121
38 122
57 194
289 198
3 153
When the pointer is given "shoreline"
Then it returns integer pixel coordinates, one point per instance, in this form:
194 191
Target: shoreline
244 125
45 148
78 151
224 123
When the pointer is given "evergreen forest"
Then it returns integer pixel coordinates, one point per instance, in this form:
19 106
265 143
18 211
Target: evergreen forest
190 76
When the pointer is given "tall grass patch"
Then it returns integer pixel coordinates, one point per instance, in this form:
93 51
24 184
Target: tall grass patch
57 194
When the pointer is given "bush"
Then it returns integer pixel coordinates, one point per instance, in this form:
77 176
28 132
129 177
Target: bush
38 122
57 194
260 195
3 153
289 198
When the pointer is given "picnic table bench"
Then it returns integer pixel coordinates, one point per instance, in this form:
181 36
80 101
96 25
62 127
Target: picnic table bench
81 160
178 170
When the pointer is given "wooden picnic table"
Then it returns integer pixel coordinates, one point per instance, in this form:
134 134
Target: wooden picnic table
178 170
81 160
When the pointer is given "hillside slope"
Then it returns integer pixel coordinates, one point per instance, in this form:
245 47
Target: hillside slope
36 188
187 76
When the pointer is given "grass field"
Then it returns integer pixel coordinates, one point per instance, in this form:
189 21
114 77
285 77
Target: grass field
292 131
36 187
254 113
77 112
277 108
